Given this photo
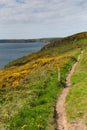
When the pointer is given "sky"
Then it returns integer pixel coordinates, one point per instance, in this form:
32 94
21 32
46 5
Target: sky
28 19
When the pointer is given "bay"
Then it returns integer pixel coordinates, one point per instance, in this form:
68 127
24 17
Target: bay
12 51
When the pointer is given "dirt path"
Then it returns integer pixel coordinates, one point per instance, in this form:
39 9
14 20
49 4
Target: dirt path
62 123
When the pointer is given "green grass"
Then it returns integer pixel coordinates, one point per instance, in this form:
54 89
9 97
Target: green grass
76 102
38 114
39 104
30 106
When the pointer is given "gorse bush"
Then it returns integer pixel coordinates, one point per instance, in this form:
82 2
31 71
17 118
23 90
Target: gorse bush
36 115
32 104
29 86
14 75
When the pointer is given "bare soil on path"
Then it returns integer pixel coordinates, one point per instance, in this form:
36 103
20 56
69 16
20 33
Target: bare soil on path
61 119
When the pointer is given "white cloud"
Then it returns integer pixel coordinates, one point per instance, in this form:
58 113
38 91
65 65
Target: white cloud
43 12
39 10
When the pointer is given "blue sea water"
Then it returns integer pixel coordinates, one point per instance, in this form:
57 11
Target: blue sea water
12 51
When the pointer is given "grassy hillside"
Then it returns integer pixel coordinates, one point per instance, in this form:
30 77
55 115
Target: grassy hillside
29 86
76 104
70 40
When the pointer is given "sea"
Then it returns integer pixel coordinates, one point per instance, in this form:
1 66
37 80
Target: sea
12 51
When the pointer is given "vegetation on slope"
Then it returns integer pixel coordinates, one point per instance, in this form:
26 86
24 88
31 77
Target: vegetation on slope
68 41
38 96
30 87
17 75
76 103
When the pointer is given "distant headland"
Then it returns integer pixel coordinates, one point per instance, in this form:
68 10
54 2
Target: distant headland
26 40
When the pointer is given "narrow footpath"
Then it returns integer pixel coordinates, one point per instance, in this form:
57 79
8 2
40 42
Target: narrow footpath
61 120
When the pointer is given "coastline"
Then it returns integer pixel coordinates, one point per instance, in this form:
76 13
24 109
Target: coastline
10 52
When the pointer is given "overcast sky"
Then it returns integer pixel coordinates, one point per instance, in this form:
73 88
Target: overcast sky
42 18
